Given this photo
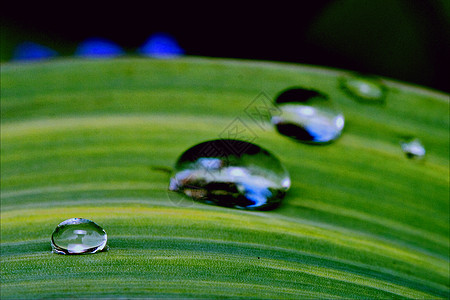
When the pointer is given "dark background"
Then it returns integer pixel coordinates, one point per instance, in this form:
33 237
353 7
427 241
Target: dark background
406 40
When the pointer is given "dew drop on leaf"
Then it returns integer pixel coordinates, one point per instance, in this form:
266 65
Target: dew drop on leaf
231 173
308 116
413 148
364 89
78 236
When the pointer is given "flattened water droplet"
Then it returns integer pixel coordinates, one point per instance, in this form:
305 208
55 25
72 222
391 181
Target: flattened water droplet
231 173
413 148
364 89
308 116
78 236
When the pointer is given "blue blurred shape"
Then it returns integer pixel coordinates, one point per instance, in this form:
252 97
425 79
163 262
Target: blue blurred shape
33 51
98 48
161 45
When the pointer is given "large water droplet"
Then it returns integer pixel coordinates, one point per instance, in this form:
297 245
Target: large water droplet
78 236
308 116
413 148
231 173
364 89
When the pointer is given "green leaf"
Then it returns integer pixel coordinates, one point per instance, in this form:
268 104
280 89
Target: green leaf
94 139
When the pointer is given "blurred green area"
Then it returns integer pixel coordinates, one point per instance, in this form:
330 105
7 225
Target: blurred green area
89 139
407 40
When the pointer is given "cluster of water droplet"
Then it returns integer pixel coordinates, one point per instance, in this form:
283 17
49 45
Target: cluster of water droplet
239 174
242 175
158 45
370 90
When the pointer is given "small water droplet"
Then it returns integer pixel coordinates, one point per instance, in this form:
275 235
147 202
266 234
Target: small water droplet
161 45
364 89
30 51
231 173
98 48
413 148
78 236
308 116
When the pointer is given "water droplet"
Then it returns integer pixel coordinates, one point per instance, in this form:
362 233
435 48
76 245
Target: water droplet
364 89
98 48
33 51
308 116
161 45
231 173
78 236
413 148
